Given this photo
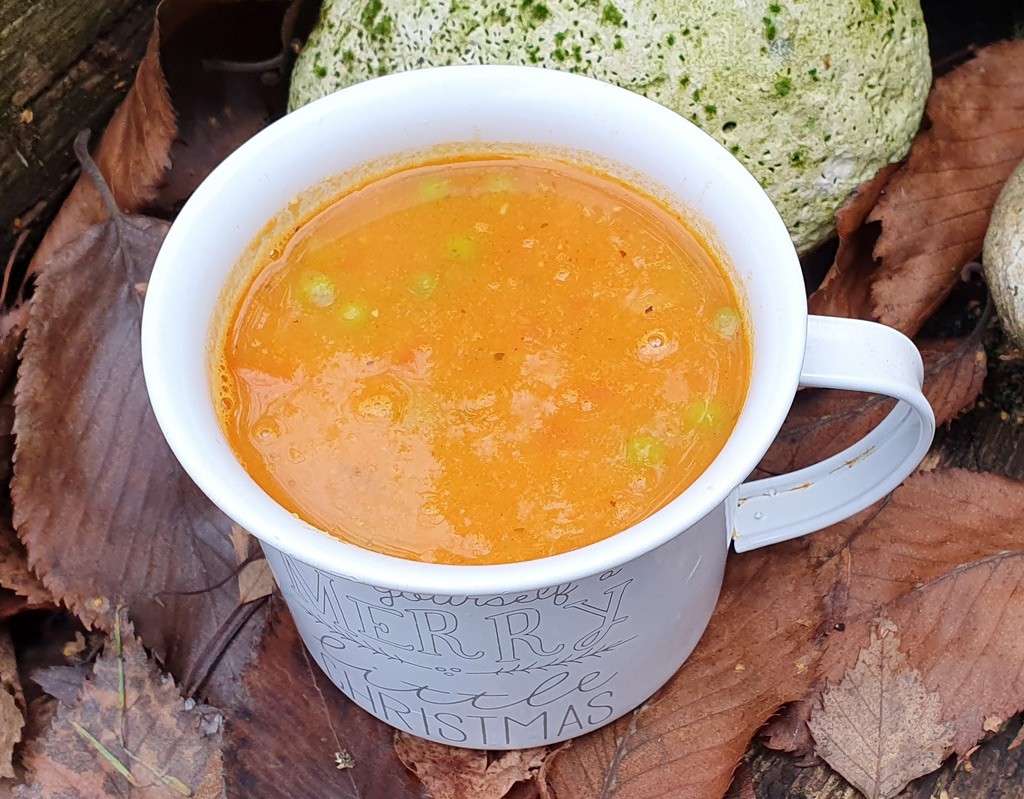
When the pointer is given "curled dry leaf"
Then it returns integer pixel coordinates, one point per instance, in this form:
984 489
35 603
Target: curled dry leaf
289 724
757 654
129 727
846 290
132 156
451 772
880 727
788 732
936 208
105 512
823 422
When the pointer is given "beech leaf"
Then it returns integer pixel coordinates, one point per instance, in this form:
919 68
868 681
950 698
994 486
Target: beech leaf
451 772
935 210
129 727
930 525
290 730
880 727
106 513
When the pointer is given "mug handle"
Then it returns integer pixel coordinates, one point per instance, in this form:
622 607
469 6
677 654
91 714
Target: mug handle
853 355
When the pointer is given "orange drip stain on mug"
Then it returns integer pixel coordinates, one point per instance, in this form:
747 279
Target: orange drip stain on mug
483 361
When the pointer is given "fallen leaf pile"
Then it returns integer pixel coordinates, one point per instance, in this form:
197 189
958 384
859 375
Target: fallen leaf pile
162 663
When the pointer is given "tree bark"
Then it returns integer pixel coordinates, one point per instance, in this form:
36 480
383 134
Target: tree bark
64 66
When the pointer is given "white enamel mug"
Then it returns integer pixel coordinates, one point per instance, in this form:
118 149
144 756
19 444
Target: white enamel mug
528 653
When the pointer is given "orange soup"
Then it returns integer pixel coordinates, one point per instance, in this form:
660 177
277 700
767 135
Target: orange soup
483 361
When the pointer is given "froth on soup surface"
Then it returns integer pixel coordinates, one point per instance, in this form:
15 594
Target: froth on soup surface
483 361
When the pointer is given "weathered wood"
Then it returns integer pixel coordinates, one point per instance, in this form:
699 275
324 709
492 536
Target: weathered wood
64 66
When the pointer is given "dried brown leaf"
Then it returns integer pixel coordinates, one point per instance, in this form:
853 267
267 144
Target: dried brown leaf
742 783
129 727
255 580
132 156
846 290
955 371
687 739
13 324
168 134
15 573
880 727
62 682
286 698
451 772
12 705
961 630
788 732
222 93
105 512
823 422
928 527
935 210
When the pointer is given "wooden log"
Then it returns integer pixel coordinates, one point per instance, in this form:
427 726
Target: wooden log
64 66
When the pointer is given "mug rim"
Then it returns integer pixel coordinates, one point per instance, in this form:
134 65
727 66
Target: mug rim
320 549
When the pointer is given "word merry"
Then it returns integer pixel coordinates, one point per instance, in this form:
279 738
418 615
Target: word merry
505 636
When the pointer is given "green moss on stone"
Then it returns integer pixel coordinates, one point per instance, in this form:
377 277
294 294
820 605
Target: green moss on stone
759 66
611 15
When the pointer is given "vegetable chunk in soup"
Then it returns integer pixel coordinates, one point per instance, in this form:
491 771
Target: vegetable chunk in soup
483 361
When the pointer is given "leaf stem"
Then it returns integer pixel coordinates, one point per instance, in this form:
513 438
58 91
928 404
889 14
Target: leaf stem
89 168
121 768
122 702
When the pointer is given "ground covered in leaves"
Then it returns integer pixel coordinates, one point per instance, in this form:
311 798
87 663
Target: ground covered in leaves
143 652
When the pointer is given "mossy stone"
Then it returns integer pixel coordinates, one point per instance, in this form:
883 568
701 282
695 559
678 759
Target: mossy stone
812 96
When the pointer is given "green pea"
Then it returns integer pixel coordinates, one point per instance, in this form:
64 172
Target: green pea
461 248
706 412
354 313
424 284
501 183
433 189
727 322
645 450
317 289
